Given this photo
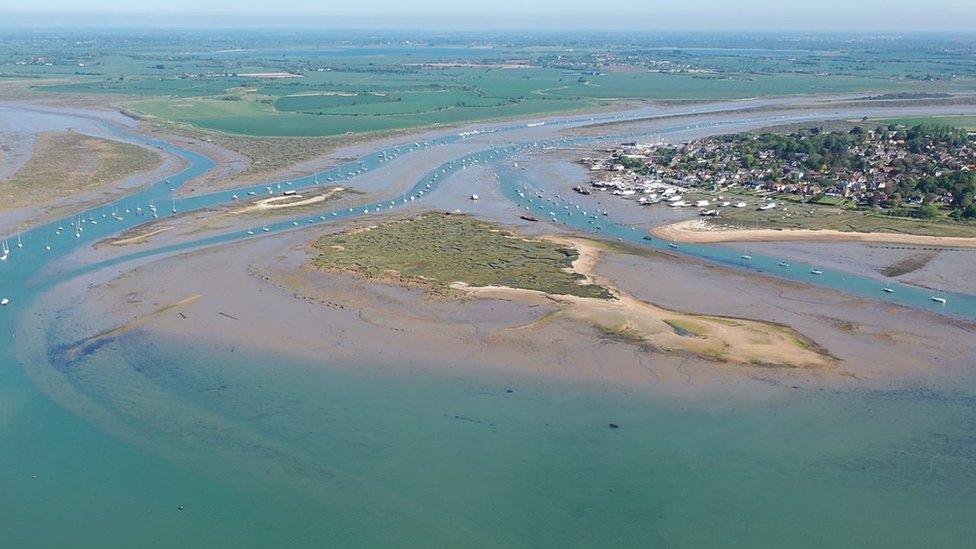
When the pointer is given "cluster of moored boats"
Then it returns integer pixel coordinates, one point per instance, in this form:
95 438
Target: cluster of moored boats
670 195
544 204
432 179
552 205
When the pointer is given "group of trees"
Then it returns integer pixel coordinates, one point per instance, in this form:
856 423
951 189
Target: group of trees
919 138
811 149
919 175
922 177
960 185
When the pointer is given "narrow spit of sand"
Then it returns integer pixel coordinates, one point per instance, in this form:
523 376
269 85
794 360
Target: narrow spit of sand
695 232
288 201
733 340
80 348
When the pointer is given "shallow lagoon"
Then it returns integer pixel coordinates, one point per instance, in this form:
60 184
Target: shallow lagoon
262 450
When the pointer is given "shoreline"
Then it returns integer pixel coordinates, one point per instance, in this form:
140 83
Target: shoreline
337 314
722 340
689 232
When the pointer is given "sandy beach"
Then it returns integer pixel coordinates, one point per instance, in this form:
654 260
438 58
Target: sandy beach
698 232
724 340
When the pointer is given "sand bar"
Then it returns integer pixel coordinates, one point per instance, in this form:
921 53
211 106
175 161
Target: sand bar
698 232
723 339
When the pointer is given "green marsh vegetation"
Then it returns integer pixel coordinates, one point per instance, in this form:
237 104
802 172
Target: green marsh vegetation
437 249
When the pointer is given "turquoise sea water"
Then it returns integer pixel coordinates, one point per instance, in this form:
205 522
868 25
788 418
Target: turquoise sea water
265 451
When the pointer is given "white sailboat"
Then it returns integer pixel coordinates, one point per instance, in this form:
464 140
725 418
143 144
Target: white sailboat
745 248
745 253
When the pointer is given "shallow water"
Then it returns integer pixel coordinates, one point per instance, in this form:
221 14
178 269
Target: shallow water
261 450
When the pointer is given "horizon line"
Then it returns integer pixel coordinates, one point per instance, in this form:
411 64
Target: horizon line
444 23
174 24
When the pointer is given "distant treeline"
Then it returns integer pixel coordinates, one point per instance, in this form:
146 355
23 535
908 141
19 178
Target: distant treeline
927 164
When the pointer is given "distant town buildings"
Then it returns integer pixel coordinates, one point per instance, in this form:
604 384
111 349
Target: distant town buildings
887 166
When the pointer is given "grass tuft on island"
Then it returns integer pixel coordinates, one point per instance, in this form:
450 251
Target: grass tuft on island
67 163
435 250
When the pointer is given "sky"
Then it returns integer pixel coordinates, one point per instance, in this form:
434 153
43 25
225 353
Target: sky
711 15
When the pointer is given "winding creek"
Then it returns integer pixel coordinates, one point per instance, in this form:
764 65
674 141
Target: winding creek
32 270
99 223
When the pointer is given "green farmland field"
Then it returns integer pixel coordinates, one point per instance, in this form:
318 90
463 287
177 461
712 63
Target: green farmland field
328 91
251 118
337 103
321 101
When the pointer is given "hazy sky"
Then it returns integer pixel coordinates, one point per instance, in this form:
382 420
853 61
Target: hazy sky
839 15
